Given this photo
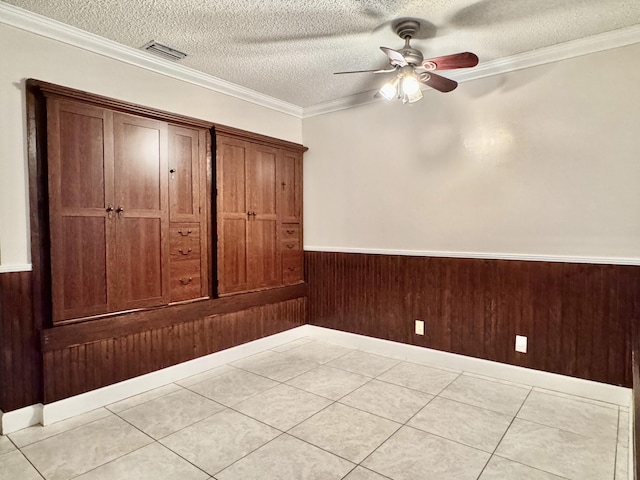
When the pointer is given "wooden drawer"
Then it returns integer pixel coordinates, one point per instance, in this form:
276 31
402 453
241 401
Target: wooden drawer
290 231
184 230
290 245
185 280
292 267
184 243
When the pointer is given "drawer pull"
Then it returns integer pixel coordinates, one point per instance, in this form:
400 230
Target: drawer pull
291 269
184 253
184 234
291 232
290 245
186 282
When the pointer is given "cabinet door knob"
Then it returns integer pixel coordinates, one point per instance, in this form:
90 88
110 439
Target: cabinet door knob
184 234
110 211
186 282
183 252
120 211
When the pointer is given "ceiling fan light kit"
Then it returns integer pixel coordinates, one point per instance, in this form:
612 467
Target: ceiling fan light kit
411 69
405 86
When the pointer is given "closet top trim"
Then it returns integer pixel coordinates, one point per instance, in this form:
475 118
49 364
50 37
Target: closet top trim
53 90
225 131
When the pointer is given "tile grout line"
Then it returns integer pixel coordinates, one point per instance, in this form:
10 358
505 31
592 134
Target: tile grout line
505 434
112 460
494 454
615 457
332 403
529 466
248 416
31 463
146 401
405 424
64 431
578 398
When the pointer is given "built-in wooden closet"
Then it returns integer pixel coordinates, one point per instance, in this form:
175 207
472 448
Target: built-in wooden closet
127 209
131 202
259 205
125 247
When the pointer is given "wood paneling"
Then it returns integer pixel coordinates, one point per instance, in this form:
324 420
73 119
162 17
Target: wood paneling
79 368
20 358
61 337
576 316
84 356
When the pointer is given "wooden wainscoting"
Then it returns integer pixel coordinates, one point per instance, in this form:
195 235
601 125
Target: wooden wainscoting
576 316
75 369
44 365
20 358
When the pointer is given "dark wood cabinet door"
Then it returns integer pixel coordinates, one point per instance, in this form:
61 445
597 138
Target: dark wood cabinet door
259 194
80 162
142 219
262 243
290 186
184 173
232 215
263 256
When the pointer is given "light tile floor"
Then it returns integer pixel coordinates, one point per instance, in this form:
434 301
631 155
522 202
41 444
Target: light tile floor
310 410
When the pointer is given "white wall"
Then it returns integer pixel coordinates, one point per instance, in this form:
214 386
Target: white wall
26 55
543 161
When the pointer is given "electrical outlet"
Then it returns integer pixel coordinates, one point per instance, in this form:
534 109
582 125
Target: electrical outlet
419 327
521 344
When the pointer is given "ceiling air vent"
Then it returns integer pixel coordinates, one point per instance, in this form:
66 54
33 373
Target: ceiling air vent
163 51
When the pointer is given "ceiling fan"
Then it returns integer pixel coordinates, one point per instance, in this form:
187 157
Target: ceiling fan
411 68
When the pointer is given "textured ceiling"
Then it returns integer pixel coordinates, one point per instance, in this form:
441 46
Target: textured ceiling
288 49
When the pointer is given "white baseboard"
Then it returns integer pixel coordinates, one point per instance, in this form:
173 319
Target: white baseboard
536 378
85 402
631 451
69 407
22 418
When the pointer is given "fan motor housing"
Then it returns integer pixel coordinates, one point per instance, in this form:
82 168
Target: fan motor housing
406 29
412 56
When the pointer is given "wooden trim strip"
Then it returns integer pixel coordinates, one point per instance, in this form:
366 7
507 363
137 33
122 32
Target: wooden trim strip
130 323
529 257
255 137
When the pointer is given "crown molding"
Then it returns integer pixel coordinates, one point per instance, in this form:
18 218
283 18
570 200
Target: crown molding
555 53
531 257
49 28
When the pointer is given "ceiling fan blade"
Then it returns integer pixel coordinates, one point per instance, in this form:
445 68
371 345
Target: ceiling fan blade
395 58
441 84
367 71
448 62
